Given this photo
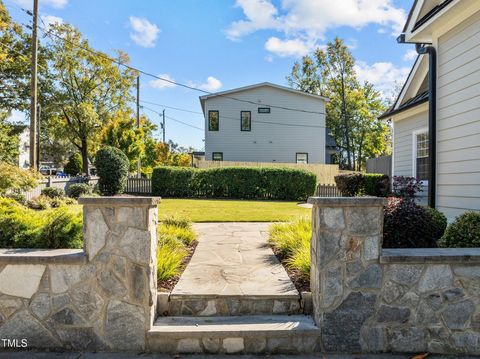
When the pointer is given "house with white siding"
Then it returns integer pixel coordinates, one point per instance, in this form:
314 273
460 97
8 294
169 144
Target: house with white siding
436 117
265 123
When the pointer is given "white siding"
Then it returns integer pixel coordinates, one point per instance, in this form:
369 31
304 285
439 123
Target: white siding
458 119
267 142
403 142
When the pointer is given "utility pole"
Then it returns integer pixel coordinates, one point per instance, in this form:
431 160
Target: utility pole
33 103
39 124
139 164
163 125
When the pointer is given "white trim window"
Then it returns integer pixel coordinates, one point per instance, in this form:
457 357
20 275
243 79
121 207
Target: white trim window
420 155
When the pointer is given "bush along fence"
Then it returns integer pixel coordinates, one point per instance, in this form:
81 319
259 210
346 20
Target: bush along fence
61 182
395 300
234 182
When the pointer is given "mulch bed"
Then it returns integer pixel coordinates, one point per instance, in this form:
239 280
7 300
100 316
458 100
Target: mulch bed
167 285
301 283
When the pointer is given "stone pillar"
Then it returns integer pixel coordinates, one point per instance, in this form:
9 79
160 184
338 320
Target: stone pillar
345 270
120 243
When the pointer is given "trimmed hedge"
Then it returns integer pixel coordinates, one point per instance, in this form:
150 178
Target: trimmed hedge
234 182
112 169
463 232
363 184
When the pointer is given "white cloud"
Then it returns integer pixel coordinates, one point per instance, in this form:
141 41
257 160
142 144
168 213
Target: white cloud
144 32
160 84
410 55
50 20
285 48
212 84
58 4
384 75
307 21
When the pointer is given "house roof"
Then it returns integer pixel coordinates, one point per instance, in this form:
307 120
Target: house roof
430 14
414 101
228 93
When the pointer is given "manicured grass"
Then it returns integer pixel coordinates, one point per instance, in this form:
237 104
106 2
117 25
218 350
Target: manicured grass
209 210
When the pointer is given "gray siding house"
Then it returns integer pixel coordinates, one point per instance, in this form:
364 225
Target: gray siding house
264 123
436 134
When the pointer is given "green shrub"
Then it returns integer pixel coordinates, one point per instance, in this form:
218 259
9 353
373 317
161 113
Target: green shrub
350 184
440 221
234 182
19 197
74 165
172 181
79 189
408 225
463 232
15 179
53 192
39 202
21 227
170 261
375 184
292 241
112 169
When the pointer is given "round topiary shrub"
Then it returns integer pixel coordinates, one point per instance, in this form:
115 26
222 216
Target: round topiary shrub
79 189
408 225
463 232
53 192
74 165
440 221
112 169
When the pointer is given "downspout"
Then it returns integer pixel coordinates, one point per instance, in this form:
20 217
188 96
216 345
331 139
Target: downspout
432 119
432 115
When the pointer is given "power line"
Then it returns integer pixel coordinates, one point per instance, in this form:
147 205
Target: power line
50 33
173 119
171 107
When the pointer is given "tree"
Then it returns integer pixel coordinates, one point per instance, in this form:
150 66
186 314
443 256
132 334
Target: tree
9 140
353 109
122 133
74 165
158 153
89 90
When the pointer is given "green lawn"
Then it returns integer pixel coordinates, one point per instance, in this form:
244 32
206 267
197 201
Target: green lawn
209 210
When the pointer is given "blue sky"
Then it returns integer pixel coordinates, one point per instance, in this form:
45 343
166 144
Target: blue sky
222 44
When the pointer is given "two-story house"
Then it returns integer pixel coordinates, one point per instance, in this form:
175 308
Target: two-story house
264 123
436 118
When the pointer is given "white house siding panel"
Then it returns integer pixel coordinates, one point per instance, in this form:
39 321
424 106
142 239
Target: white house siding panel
267 142
403 142
458 119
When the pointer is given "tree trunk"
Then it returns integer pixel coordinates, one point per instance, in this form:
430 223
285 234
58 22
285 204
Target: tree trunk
345 121
84 151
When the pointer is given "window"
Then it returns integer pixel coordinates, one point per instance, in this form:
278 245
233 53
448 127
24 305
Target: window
421 155
302 158
264 110
213 120
245 121
217 156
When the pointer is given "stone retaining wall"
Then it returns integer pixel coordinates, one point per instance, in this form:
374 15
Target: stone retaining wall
99 298
369 300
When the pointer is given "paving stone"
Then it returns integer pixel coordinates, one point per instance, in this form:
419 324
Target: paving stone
453 294
426 315
80 339
404 274
188 346
363 220
341 327
330 246
135 244
332 285
435 277
354 267
370 278
125 326
233 345
456 315
371 248
41 305
21 280
9 305
137 278
374 339
434 300
387 314
255 345
63 277
468 341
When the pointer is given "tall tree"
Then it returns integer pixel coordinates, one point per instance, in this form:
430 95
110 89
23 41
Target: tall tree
89 90
353 107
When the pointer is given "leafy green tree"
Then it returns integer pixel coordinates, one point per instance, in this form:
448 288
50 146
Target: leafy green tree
9 141
122 133
353 109
74 165
89 90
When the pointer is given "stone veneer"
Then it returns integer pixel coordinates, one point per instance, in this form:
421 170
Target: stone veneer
369 300
99 298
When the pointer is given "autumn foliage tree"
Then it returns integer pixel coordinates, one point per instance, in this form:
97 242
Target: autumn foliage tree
353 109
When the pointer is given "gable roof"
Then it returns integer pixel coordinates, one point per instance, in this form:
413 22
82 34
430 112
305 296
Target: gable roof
228 93
414 101
431 14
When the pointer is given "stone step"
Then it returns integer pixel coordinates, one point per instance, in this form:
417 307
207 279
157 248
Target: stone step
280 334
215 305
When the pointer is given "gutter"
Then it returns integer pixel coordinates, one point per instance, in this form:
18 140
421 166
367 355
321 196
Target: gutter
432 115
